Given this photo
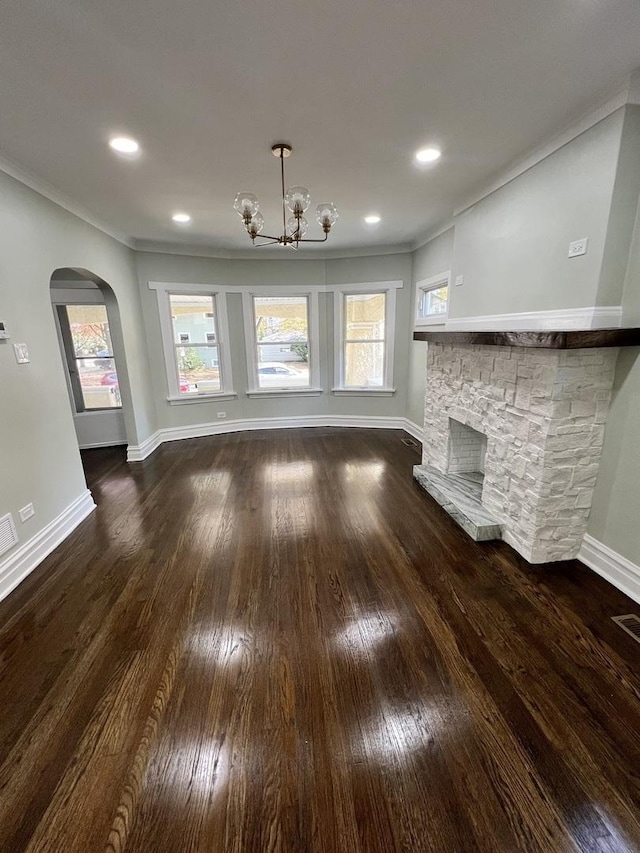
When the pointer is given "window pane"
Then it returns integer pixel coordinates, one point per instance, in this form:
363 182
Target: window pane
434 301
193 319
281 319
282 335
89 326
198 369
364 365
99 383
279 373
364 316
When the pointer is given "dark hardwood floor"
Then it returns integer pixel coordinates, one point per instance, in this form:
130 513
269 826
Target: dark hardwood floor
275 641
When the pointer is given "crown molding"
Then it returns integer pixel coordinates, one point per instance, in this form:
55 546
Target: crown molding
571 131
634 88
24 176
162 248
438 231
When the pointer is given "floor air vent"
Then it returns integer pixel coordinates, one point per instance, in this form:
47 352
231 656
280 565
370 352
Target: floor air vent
8 535
409 442
629 623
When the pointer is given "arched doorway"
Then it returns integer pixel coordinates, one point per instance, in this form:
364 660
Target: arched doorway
92 350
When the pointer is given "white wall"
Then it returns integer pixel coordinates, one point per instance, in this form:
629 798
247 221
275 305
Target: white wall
616 503
511 247
39 457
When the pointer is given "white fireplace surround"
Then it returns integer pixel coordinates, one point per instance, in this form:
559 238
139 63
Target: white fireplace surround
543 413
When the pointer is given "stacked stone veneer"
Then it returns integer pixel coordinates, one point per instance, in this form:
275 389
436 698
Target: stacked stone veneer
543 412
467 448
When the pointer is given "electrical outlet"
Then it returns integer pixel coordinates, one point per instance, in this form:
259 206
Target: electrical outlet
578 247
26 512
222 414
459 281
22 353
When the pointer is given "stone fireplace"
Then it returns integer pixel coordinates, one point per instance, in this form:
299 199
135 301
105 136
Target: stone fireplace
513 437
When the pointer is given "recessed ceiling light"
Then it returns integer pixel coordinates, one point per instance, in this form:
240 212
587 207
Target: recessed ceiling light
372 219
182 218
124 145
428 155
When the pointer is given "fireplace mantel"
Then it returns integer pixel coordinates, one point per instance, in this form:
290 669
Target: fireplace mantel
543 339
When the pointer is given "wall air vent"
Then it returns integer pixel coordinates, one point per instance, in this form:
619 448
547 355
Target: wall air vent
8 535
629 623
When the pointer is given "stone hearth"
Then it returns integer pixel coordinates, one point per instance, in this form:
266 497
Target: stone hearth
543 413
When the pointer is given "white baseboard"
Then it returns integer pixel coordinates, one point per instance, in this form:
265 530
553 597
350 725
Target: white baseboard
569 319
24 560
615 568
137 453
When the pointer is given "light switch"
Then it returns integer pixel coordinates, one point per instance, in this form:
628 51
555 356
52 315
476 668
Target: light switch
22 353
4 332
459 280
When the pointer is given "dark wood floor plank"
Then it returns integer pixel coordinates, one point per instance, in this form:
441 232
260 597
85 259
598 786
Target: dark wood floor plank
274 642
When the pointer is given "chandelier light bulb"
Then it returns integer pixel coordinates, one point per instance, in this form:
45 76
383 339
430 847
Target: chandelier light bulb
297 199
295 229
326 214
246 205
256 225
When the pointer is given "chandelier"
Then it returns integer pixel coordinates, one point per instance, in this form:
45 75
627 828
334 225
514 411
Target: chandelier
297 199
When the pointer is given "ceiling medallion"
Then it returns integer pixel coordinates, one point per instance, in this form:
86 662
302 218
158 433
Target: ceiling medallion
297 199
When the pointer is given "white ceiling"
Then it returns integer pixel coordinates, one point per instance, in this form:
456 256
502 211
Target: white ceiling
355 85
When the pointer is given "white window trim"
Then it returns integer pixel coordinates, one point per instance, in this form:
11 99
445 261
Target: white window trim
313 332
339 292
422 287
163 292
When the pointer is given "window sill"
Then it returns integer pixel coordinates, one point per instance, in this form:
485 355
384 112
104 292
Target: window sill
89 412
435 320
185 399
285 392
364 392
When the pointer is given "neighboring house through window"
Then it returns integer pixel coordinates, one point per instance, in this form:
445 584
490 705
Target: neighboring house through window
364 323
88 349
195 340
432 299
282 342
